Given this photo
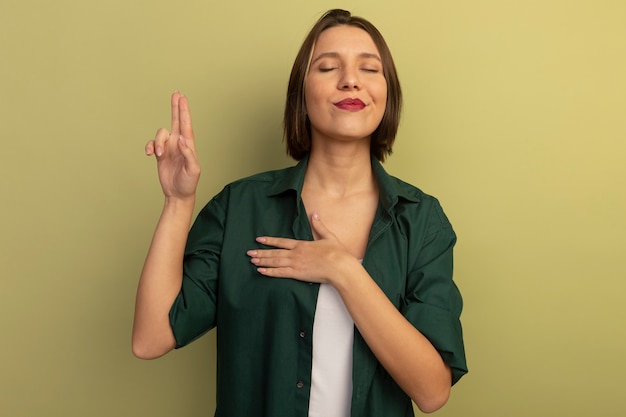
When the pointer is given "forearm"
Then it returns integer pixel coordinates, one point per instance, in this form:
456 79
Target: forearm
160 281
404 352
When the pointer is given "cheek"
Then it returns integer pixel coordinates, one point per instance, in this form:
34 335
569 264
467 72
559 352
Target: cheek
312 99
381 99
381 91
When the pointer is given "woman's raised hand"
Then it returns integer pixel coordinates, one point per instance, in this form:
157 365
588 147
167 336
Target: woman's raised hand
162 273
175 151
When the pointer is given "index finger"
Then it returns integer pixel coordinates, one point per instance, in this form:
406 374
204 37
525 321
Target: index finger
185 118
175 130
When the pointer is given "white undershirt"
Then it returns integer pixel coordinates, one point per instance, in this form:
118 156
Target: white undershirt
331 377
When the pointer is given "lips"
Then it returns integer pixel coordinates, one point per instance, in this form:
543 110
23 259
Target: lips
350 104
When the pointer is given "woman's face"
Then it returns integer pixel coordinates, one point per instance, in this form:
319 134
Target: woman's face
345 88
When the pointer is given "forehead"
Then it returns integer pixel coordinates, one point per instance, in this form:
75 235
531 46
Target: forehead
345 40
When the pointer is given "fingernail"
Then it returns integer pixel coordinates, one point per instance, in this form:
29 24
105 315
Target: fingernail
159 151
251 253
260 239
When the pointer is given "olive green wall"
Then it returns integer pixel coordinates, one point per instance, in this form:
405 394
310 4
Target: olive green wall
515 118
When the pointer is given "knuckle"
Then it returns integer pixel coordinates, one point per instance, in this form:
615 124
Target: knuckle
161 135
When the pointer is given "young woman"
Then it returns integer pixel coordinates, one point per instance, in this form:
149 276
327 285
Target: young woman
330 282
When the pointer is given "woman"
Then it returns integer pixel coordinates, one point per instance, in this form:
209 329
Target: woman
330 282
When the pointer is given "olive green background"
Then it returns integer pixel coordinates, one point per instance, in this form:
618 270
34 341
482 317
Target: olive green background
515 117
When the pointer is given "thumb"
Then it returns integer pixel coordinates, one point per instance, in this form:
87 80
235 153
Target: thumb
191 162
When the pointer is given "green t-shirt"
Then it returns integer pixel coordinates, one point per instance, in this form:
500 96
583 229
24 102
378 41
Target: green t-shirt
264 325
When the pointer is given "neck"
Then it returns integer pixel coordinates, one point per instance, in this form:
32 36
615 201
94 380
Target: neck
340 173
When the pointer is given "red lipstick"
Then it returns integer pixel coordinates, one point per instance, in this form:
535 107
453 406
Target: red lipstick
350 104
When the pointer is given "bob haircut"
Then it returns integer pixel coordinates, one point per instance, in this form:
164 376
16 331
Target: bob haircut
297 128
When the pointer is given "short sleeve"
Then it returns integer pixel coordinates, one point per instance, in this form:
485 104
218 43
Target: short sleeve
433 302
194 311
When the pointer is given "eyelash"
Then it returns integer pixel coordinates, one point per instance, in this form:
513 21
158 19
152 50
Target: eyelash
372 70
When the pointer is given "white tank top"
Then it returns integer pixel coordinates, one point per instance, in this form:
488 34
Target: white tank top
331 377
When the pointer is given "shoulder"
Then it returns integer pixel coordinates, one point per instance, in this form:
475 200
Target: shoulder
397 192
266 178
257 186
408 193
407 190
420 206
242 195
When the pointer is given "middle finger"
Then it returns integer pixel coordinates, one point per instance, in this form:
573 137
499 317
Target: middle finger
278 242
175 114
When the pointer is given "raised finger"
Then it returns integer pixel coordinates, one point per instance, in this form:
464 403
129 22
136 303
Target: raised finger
184 115
175 114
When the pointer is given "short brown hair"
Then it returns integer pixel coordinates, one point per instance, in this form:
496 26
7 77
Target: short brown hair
297 128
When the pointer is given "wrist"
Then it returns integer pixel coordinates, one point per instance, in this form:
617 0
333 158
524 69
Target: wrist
348 270
180 201
180 204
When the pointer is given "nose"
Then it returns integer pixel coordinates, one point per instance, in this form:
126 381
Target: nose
350 85
349 80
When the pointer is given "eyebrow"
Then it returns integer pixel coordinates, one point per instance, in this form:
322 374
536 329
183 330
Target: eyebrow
336 55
